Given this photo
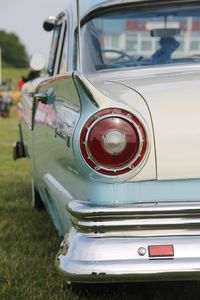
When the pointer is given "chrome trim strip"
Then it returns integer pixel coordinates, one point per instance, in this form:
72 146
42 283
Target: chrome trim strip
79 44
102 226
89 218
83 209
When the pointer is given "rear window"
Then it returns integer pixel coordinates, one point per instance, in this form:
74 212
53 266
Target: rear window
137 38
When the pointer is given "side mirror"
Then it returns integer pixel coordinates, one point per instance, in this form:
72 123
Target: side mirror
49 23
37 62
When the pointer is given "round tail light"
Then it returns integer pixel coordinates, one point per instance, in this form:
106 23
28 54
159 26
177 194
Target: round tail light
113 142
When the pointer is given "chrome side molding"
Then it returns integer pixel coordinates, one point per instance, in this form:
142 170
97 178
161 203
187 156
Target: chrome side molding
140 216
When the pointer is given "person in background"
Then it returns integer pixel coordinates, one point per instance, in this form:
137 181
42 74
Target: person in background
32 75
21 82
37 63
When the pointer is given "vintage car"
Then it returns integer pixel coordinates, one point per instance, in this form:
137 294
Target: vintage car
113 134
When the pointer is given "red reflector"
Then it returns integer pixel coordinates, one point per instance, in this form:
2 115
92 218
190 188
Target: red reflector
161 250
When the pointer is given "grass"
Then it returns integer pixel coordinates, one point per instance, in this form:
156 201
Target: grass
28 245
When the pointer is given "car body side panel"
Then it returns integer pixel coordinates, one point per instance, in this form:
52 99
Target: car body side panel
54 124
24 109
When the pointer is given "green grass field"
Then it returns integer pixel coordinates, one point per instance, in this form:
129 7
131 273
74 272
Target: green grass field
28 245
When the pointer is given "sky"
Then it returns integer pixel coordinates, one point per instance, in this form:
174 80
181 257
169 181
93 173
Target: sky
25 18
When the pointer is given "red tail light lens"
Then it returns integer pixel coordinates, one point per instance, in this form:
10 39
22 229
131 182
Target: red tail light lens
113 142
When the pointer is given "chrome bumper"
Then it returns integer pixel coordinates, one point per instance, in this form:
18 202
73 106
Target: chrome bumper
111 243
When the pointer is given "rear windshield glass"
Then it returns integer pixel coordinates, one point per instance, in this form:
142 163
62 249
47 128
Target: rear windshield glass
136 38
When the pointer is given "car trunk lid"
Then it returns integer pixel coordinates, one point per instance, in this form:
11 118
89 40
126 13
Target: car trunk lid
174 105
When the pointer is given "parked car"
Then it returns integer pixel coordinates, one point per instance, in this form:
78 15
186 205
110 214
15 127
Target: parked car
113 134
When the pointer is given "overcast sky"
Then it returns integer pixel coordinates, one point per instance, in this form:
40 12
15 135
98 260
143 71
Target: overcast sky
25 17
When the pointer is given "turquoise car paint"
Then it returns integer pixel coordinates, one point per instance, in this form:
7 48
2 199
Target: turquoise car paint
54 190
118 194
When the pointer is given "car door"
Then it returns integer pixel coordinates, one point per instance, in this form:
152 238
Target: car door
57 111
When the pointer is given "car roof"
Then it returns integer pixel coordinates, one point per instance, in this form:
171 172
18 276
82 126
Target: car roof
87 6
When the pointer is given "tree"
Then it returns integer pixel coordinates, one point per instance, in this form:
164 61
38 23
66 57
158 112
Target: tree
13 51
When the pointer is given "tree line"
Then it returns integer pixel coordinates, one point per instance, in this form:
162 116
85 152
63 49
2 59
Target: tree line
13 52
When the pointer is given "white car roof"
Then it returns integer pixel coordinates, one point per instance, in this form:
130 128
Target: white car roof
88 5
